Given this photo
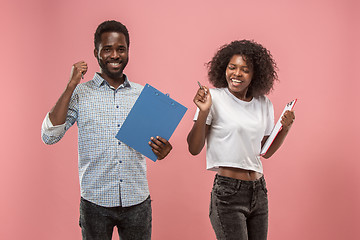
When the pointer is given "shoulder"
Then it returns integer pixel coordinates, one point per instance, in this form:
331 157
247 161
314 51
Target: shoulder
89 84
217 92
135 87
264 101
84 87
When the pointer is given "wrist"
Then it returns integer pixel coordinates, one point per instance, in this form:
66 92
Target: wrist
286 128
204 111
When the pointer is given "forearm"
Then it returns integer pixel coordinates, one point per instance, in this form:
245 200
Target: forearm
197 136
278 141
58 113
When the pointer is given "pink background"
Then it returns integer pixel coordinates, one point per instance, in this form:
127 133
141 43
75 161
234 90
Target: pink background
313 180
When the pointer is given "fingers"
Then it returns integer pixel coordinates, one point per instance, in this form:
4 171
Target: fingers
78 71
80 67
160 146
201 94
288 118
289 115
202 99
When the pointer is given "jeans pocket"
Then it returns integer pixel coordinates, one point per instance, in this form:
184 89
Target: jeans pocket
223 188
265 190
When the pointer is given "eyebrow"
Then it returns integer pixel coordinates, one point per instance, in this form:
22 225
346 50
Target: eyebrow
110 46
233 64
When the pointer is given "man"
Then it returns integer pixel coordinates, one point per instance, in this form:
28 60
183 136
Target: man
114 188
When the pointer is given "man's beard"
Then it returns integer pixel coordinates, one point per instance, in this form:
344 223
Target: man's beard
113 75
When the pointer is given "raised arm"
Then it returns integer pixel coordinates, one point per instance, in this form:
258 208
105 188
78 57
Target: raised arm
197 136
58 113
286 121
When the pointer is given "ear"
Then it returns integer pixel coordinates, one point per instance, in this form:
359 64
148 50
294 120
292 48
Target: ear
96 53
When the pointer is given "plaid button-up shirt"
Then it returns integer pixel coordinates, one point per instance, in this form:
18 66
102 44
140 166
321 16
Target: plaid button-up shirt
110 172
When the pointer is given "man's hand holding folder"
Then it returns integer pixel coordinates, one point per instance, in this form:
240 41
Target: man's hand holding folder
160 146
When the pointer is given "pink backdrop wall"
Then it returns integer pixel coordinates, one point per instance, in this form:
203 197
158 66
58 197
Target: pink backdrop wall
314 188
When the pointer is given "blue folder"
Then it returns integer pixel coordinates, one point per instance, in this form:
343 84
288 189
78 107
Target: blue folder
153 114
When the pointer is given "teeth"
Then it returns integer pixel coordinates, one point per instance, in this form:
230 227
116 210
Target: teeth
114 64
237 81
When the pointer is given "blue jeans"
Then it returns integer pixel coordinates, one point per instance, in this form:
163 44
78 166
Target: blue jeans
239 209
133 223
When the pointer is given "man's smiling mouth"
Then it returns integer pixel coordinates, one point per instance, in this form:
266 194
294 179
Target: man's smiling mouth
115 64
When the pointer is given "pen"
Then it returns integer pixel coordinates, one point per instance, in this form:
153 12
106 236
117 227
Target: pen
202 87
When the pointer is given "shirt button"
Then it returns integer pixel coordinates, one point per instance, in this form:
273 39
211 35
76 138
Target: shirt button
117 106
120 161
119 143
118 125
120 180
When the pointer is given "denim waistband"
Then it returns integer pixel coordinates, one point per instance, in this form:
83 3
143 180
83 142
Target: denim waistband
242 183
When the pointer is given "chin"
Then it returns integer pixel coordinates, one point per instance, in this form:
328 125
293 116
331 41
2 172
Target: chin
114 74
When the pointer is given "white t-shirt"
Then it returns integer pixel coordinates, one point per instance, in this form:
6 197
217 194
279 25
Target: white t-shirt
236 130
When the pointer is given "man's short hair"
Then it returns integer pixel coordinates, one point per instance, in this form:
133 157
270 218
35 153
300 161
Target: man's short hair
110 26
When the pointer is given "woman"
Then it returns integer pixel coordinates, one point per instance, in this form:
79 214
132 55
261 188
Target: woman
235 119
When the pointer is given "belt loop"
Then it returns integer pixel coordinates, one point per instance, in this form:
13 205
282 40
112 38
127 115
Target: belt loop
263 184
238 184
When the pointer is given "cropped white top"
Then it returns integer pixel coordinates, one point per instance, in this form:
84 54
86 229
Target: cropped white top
236 130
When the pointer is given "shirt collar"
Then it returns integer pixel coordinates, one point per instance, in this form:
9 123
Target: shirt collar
99 81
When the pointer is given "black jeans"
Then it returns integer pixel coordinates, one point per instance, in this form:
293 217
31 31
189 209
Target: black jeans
133 223
239 209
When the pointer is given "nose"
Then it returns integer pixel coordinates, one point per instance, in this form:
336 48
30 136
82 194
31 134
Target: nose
237 72
114 54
